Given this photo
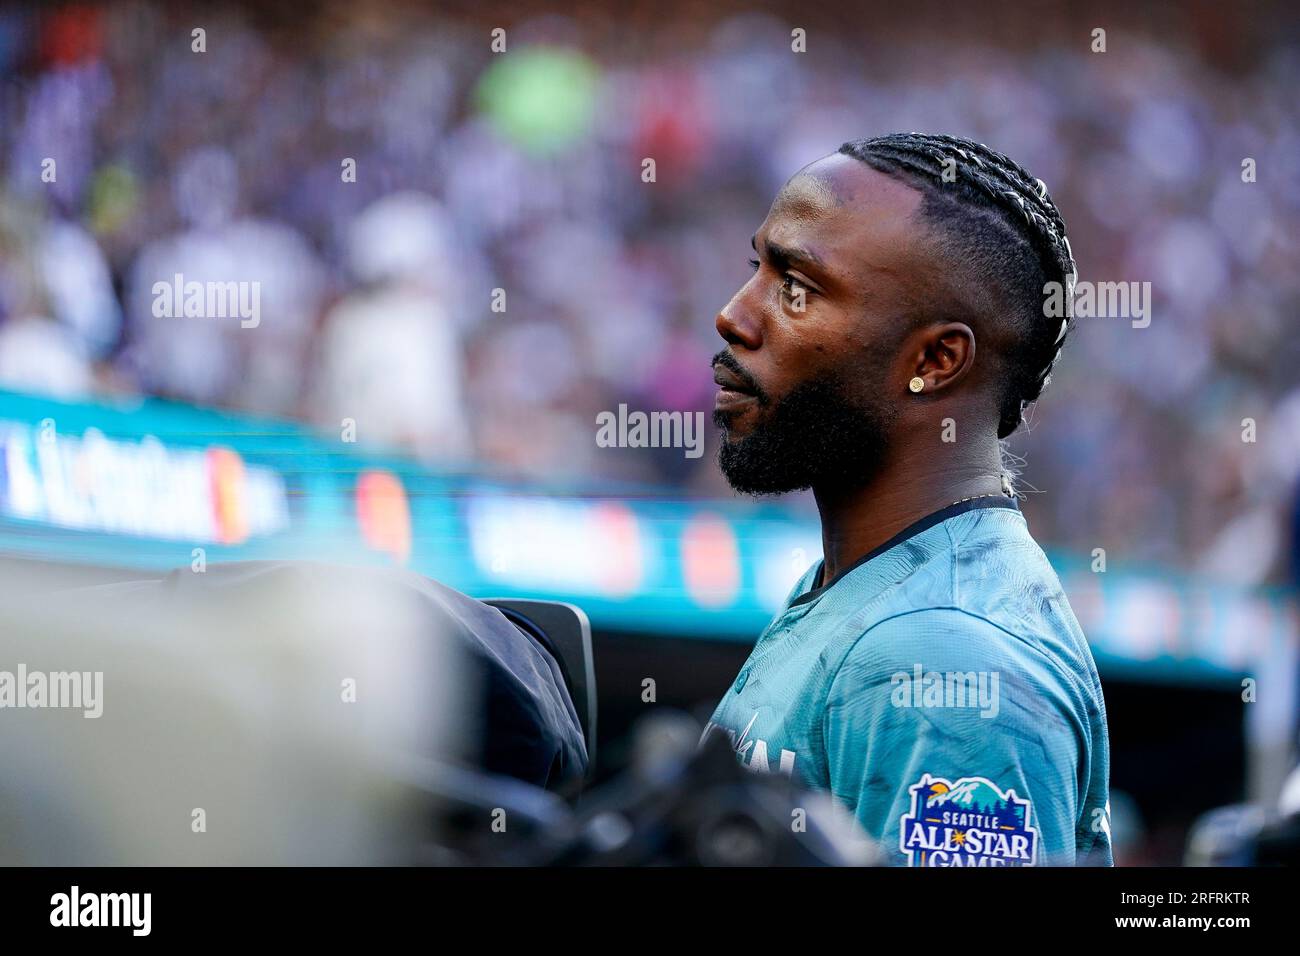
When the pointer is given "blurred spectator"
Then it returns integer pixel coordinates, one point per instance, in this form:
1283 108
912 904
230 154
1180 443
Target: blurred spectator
389 355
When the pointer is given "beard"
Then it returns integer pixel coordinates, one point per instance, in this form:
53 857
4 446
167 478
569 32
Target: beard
816 436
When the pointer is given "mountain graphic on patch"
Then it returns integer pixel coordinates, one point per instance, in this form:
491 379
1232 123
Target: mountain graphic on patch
969 821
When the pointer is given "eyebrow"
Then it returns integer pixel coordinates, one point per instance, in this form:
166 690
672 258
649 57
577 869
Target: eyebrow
788 255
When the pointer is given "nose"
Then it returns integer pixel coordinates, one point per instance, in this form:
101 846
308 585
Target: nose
739 323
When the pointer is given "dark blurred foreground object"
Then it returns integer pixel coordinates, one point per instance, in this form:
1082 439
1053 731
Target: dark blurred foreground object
1244 835
564 631
680 804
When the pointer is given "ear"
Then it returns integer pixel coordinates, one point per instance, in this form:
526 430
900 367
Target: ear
940 355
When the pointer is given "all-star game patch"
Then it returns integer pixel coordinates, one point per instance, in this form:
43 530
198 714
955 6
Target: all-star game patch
967 822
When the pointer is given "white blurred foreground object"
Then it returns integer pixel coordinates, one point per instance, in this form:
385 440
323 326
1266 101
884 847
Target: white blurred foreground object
273 720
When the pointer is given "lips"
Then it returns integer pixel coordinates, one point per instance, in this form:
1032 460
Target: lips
730 381
732 391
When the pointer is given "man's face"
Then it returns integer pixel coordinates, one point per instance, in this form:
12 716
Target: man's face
808 393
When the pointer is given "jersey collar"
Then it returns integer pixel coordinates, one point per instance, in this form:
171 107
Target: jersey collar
911 531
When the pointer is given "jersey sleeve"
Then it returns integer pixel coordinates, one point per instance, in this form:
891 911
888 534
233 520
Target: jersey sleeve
955 743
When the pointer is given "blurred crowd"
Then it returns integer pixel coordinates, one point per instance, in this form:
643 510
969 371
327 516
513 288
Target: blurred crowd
497 271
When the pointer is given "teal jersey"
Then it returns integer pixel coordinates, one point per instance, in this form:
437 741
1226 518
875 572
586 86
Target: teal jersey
943 692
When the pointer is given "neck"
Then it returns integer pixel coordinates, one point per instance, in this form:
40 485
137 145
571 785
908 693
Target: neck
911 484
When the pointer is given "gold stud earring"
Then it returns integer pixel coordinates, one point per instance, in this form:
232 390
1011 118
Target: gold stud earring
916 384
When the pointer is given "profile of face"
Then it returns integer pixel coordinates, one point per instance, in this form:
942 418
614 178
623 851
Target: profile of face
814 369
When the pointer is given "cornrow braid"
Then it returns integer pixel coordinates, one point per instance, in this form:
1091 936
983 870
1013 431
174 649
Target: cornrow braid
988 182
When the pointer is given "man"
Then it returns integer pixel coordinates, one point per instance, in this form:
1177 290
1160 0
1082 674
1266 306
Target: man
928 671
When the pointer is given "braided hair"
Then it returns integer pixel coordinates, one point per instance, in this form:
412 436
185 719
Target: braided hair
1003 231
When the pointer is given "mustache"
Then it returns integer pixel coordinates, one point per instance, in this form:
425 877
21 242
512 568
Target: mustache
728 361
